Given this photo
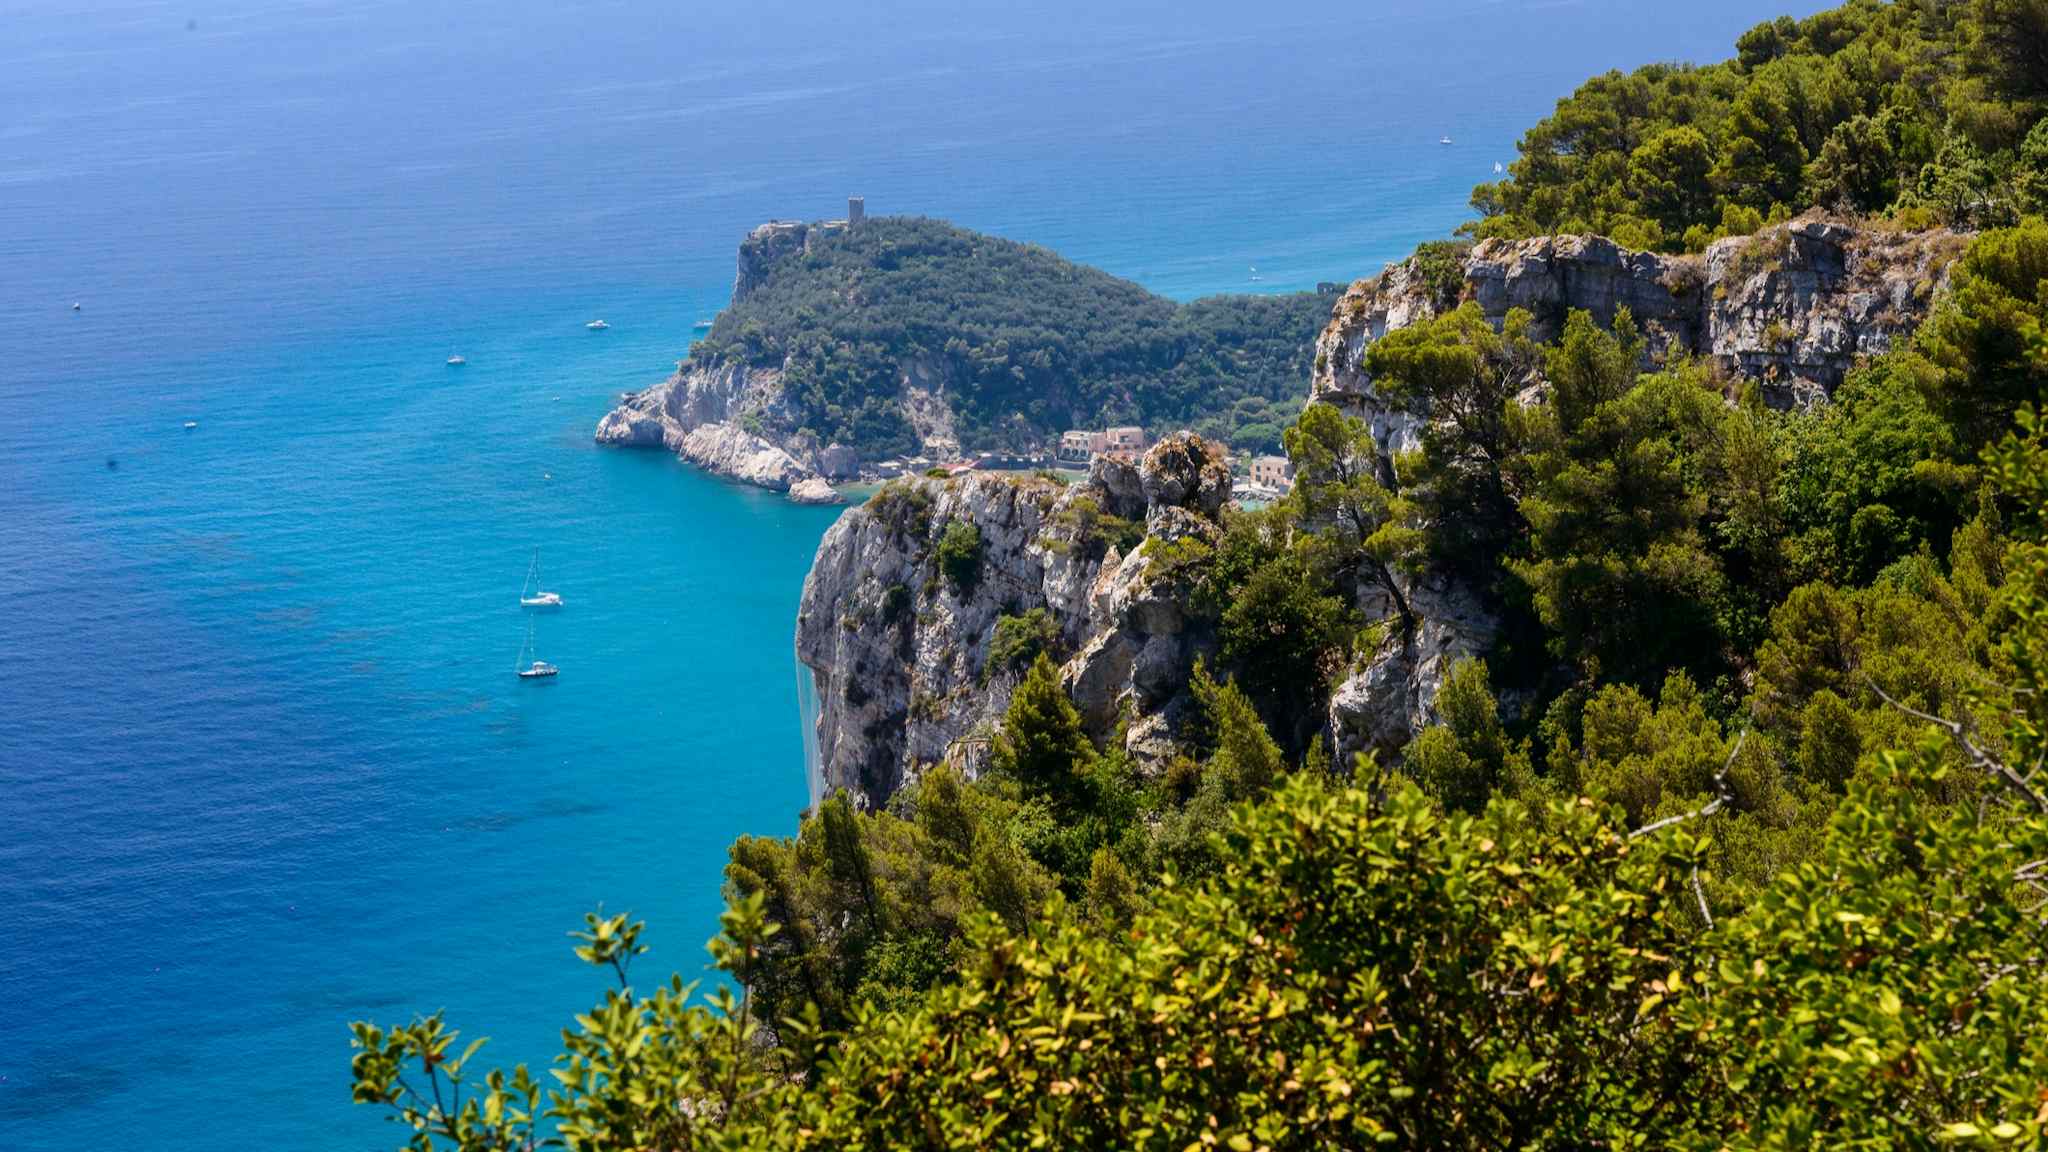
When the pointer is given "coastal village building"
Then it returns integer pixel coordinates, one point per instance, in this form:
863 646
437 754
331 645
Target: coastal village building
1079 447
1275 472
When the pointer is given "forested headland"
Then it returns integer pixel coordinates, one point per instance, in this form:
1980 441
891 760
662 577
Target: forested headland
1025 343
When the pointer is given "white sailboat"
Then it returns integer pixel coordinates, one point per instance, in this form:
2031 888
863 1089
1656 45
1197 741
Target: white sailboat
531 594
531 667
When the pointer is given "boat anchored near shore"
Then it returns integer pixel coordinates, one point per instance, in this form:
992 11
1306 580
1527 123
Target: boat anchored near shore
597 325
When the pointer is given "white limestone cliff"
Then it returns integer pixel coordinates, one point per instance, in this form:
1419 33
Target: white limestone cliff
898 654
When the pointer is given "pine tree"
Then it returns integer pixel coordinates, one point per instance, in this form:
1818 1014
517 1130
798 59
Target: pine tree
1761 158
1043 745
847 858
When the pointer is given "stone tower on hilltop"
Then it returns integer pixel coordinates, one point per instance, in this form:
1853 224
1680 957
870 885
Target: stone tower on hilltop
856 210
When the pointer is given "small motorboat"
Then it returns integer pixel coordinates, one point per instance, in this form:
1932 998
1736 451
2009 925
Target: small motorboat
597 325
701 325
1445 140
456 361
191 424
77 304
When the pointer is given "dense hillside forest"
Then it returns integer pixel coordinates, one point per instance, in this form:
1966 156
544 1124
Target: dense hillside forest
1026 343
1927 109
1738 839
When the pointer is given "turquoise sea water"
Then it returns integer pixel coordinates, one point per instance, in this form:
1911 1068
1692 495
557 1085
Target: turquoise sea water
263 765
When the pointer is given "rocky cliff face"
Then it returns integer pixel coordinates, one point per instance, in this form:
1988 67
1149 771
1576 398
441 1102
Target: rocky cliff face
898 652
1793 307
702 414
1390 695
764 248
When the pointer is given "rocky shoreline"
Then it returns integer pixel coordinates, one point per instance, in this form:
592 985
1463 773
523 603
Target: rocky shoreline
722 448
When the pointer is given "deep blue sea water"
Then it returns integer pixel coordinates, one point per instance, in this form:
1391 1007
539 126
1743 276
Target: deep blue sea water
263 766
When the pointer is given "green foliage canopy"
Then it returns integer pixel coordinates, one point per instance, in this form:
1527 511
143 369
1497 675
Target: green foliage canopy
1915 109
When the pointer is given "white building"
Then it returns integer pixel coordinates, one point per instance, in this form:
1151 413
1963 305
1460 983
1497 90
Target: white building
1275 472
1126 439
1079 447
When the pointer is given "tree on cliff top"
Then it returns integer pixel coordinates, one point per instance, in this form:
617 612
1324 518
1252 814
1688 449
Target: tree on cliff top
1912 108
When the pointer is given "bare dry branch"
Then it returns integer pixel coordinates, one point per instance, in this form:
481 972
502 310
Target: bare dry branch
1719 801
1979 758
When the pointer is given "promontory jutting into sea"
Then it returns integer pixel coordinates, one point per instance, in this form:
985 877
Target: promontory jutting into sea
1355 577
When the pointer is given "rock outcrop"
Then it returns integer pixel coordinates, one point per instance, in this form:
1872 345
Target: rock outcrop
898 652
1391 695
1792 307
701 414
813 490
763 249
